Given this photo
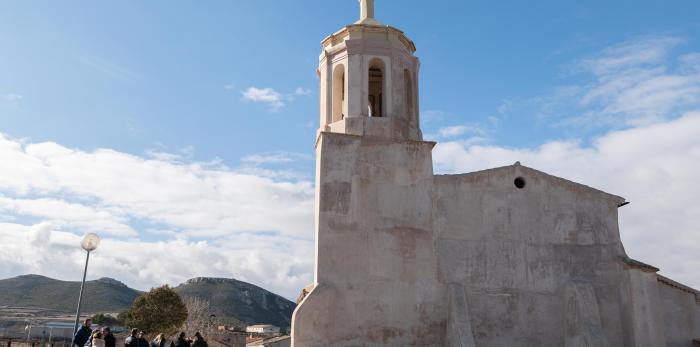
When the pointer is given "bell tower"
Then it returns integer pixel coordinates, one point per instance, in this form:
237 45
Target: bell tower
369 80
375 273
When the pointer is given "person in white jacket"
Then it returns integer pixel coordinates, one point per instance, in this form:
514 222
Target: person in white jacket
97 340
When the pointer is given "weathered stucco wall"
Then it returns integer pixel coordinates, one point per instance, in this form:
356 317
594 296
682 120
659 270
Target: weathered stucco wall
643 308
376 266
540 265
681 313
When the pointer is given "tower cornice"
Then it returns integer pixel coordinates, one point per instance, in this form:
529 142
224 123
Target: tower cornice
360 31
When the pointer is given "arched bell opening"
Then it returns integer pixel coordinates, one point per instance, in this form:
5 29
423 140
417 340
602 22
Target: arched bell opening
410 96
376 88
339 93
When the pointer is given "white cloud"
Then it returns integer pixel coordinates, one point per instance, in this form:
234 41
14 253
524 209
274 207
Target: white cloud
183 155
303 92
459 130
273 98
452 131
637 82
278 264
265 95
11 97
644 51
126 198
267 158
275 158
645 95
74 215
107 67
39 235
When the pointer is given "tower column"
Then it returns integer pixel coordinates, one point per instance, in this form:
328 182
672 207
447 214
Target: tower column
357 106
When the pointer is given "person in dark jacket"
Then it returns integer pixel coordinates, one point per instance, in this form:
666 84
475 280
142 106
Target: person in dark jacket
199 341
133 340
110 341
182 341
89 341
83 334
142 339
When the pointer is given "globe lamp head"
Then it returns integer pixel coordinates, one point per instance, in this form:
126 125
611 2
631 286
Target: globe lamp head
90 242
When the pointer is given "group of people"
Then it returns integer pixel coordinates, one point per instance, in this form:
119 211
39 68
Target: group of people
86 337
137 339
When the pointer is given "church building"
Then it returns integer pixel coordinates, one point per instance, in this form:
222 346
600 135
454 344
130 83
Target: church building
504 257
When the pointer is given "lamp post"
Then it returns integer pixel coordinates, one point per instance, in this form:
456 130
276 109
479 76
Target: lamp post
211 317
28 328
89 244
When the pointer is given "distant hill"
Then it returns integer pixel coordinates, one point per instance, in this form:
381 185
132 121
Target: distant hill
103 295
229 299
244 301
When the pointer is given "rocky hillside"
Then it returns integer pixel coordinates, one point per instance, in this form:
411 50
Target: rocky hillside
230 300
103 295
244 301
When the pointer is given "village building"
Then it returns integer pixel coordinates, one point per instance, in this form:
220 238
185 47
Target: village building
263 329
228 337
509 256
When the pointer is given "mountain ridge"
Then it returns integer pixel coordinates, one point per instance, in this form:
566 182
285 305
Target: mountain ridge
258 304
229 299
45 292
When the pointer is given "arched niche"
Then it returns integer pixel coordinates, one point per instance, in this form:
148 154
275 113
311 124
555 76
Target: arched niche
339 93
409 98
376 88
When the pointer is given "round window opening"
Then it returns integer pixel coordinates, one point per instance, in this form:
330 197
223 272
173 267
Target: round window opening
519 183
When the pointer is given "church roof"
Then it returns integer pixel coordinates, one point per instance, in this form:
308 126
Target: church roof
520 170
636 264
669 282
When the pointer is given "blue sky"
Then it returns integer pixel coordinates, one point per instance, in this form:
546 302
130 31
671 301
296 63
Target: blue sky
138 75
185 93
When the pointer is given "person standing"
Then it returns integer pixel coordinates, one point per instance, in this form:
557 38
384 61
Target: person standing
199 341
110 341
182 341
142 339
83 334
133 340
159 341
97 340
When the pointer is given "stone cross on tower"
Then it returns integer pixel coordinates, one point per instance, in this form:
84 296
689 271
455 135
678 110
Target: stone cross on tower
367 13
366 9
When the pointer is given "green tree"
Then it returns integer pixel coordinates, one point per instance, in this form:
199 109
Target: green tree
105 320
159 311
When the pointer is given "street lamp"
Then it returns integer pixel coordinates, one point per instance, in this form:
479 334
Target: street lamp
89 244
211 317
